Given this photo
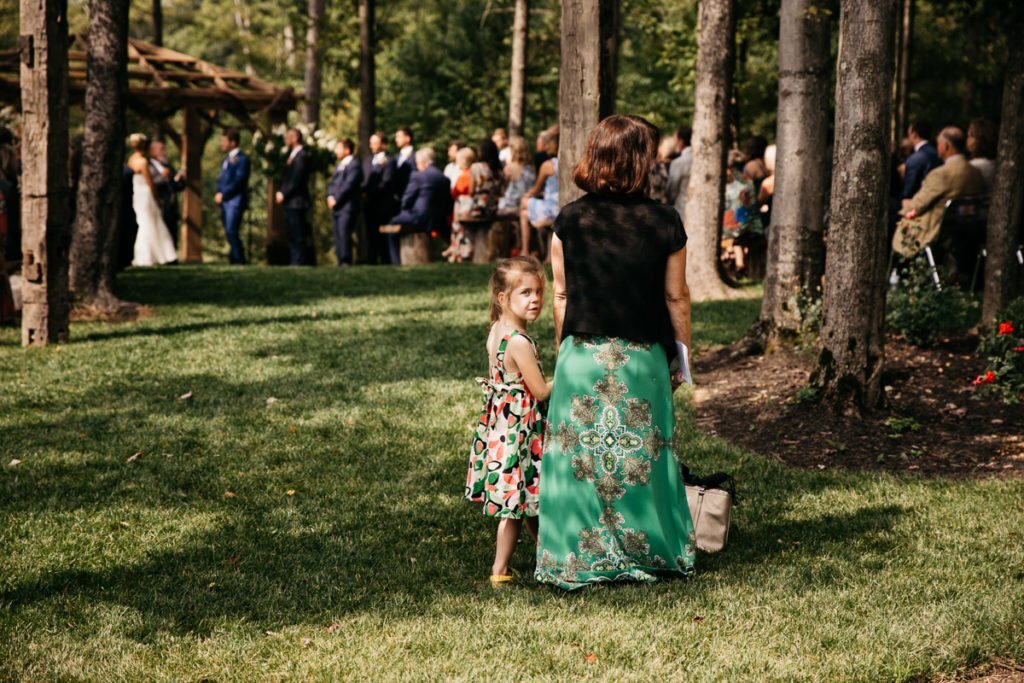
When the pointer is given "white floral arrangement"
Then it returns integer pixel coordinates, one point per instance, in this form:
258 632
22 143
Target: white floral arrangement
271 153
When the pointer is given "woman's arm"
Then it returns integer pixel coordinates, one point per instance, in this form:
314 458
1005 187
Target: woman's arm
520 352
558 288
677 296
546 169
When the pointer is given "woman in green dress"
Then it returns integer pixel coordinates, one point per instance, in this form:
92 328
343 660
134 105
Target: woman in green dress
612 502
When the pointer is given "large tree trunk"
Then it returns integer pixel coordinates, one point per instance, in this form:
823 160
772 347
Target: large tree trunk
158 23
314 72
45 206
901 85
517 87
796 257
94 236
716 53
849 370
586 87
1004 216
367 80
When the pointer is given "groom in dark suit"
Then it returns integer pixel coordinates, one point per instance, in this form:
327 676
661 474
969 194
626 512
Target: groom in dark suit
343 198
294 196
233 193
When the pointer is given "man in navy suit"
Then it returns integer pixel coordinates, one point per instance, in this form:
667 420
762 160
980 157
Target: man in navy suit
233 193
396 179
294 196
377 207
343 198
924 158
427 202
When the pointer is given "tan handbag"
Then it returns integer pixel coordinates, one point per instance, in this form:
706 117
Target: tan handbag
711 511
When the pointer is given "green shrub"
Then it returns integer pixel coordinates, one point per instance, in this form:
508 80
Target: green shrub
922 313
1003 349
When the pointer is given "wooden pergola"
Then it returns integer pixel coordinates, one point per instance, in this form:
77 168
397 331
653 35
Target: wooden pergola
160 83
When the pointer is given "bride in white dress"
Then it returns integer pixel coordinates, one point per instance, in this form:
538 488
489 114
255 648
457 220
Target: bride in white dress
153 243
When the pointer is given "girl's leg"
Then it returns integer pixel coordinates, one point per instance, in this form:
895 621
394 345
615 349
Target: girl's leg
524 232
508 535
531 527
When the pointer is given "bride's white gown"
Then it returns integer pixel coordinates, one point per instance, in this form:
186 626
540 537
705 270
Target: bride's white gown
153 243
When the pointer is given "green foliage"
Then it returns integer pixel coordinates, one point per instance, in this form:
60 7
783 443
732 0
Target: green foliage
901 425
1003 350
806 394
919 311
809 308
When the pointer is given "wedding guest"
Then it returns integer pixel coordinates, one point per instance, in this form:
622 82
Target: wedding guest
500 139
427 202
233 193
660 170
755 169
168 185
924 158
519 178
981 145
612 502
377 208
679 171
396 180
767 191
343 199
741 220
462 201
294 197
540 204
487 179
452 171
540 154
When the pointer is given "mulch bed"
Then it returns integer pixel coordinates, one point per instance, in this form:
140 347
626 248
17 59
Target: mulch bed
933 424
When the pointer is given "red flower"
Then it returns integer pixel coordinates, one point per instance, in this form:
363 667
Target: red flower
978 380
1018 349
1005 328
990 376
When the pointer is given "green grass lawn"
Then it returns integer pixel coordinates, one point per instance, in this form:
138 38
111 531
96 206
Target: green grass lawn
323 535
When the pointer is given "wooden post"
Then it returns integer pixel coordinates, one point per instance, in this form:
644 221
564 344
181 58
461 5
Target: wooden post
586 87
191 243
276 241
45 229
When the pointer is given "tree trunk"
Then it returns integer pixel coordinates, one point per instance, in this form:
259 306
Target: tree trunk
314 54
45 207
94 236
796 256
367 79
289 45
849 370
158 23
242 25
1004 216
517 88
901 88
586 87
716 52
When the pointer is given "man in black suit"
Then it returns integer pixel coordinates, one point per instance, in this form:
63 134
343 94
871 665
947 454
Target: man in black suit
167 184
294 196
400 169
427 203
924 158
343 198
377 207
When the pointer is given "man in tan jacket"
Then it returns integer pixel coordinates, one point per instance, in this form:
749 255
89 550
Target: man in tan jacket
922 213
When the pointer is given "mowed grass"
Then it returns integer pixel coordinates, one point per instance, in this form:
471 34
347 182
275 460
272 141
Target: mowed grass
322 535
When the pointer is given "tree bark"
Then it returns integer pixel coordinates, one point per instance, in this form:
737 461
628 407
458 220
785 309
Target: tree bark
94 235
158 23
1004 215
242 25
716 53
901 87
314 72
849 370
796 256
45 205
367 78
517 87
586 87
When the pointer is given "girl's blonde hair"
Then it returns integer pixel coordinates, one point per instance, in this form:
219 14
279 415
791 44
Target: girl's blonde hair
520 150
508 273
464 158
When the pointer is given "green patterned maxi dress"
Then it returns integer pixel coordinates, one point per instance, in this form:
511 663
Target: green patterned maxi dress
612 502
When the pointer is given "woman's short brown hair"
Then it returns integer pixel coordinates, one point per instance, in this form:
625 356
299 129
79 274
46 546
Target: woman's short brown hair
618 157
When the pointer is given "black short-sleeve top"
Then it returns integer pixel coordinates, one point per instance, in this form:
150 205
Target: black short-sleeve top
615 248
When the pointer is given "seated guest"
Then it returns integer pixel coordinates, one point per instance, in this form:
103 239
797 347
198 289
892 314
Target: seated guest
539 207
343 195
767 191
981 145
452 171
519 178
427 201
921 161
755 169
487 177
462 200
540 154
658 177
740 220
922 214
500 139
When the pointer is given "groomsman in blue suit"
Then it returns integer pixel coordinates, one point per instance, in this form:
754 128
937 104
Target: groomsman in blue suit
400 168
343 198
233 193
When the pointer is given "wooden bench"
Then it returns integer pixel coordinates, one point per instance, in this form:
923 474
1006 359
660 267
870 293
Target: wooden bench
478 231
413 245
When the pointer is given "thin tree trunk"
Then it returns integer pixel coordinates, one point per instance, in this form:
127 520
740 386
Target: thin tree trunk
242 25
796 257
517 88
289 45
314 72
586 87
158 22
94 236
1004 217
716 52
849 370
901 87
45 206
367 78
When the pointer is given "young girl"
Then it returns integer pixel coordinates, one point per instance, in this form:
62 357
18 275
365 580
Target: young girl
504 461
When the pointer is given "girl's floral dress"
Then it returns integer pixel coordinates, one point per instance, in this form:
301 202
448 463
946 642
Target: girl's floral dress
504 459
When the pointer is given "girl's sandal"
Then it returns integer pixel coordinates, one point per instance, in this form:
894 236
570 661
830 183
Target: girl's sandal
500 580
